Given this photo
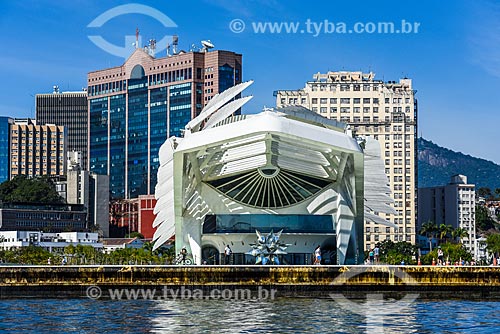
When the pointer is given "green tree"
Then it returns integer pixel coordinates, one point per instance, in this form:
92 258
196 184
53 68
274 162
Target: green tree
445 232
452 252
26 255
493 243
429 229
394 253
458 234
497 192
483 220
22 189
485 192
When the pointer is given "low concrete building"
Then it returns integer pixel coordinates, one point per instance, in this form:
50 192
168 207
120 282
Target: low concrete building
50 241
43 217
146 215
112 244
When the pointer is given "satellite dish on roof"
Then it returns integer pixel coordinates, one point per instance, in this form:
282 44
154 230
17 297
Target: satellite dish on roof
207 45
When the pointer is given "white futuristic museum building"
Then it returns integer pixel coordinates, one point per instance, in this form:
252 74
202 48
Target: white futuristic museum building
283 169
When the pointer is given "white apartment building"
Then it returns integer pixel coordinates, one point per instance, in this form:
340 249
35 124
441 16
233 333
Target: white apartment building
388 112
453 204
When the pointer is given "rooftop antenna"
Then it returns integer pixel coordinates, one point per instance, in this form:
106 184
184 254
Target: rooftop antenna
56 89
207 45
152 47
168 49
136 37
175 43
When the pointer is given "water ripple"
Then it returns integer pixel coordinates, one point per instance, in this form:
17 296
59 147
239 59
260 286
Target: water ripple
284 315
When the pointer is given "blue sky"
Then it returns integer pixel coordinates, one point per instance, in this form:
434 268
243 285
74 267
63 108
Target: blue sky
454 59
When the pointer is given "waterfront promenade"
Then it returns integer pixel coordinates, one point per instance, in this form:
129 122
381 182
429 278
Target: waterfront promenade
472 282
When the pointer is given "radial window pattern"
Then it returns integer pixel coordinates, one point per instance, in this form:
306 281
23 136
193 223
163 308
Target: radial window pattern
269 187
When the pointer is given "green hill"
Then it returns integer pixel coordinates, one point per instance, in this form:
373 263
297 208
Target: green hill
436 164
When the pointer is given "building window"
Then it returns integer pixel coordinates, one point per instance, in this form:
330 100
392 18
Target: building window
323 100
356 100
314 100
345 100
333 100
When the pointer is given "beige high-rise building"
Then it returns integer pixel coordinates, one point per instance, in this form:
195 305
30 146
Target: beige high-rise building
388 112
37 149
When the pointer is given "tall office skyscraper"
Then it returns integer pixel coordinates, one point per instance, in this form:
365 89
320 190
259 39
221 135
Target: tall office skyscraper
5 123
388 112
134 107
68 109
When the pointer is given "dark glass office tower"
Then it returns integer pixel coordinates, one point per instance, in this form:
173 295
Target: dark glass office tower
135 107
4 147
68 109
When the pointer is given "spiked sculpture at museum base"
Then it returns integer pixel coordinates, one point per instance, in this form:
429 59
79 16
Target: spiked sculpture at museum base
267 248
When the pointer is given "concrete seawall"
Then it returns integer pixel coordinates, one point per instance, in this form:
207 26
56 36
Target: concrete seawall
298 281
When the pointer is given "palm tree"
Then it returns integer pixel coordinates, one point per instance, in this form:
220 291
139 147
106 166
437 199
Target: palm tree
429 230
459 233
445 231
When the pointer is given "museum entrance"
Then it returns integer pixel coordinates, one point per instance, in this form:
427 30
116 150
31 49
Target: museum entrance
329 251
210 255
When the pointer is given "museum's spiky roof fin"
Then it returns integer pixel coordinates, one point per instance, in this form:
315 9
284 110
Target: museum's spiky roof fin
305 115
377 190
